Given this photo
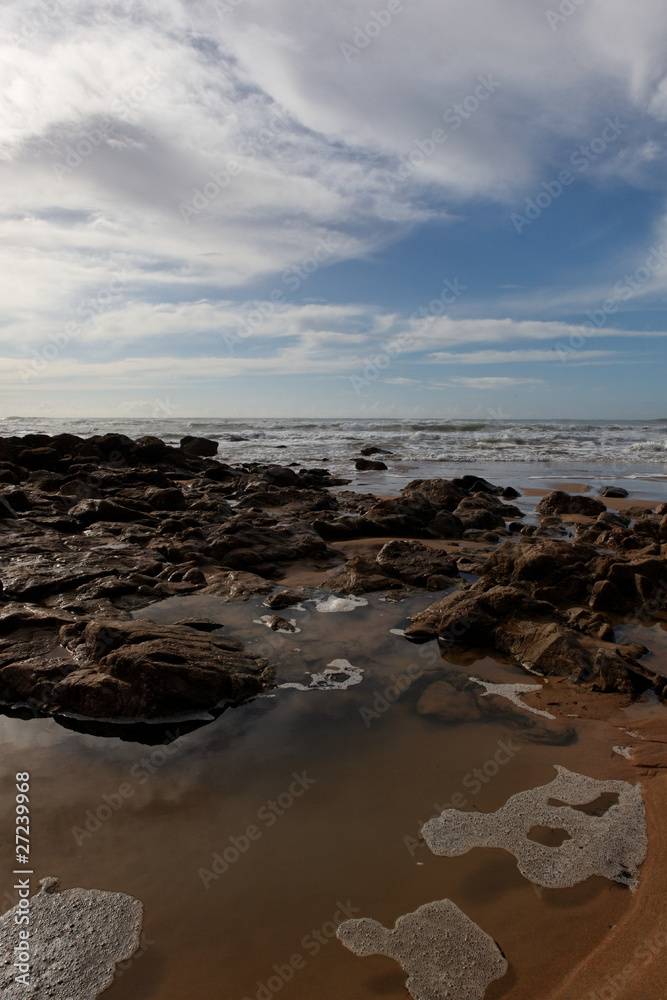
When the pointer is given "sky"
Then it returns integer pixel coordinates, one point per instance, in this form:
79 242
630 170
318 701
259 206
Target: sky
432 208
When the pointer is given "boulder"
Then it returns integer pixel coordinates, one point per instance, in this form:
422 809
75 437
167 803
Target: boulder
359 575
442 493
371 449
368 465
613 491
559 502
416 564
200 446
284 599
141 670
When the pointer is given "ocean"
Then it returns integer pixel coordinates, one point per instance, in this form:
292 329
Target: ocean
590 451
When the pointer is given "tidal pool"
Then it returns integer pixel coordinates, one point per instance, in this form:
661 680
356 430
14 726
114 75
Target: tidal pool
250 838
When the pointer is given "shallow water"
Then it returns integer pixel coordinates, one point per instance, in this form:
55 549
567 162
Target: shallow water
347 842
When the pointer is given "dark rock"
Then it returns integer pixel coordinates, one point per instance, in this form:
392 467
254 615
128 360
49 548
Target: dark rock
371 449
237 586
414 564
441 493
279 475
367 465
278 624
559 502
509 493
166 499
284 599
39 458
140 670
200 446
471 618
359 575
613 491
475 484
89 511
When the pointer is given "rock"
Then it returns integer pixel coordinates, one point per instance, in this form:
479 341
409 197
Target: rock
77 938
547 647
168 499
509 493
471 618
477 516
559 502
613 491
605 596
141 670
278 624
278 475
371 449
367 465
442 493
89 511
610 672
475 484
552 570
284 599
414 563
359 575
237 585
199 446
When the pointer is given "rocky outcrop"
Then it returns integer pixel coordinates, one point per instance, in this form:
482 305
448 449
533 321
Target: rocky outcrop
398 564
560 502
115 669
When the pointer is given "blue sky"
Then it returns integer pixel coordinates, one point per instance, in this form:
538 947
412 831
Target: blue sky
249 208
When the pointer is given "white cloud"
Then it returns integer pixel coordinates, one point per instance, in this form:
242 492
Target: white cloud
117 117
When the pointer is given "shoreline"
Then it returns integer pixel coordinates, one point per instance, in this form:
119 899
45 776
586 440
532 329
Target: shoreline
534 582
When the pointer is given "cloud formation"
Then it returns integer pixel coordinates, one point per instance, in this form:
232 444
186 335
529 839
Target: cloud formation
164 163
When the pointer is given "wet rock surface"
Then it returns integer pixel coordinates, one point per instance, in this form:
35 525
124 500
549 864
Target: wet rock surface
93 530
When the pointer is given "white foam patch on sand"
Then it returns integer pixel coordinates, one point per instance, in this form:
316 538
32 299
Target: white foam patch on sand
339 675
612 845
624 752
447 956
397 631
513 693
267 619
334 605
77 938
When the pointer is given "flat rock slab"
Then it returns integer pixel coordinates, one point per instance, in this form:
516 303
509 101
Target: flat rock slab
447 956
613 844
77 937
